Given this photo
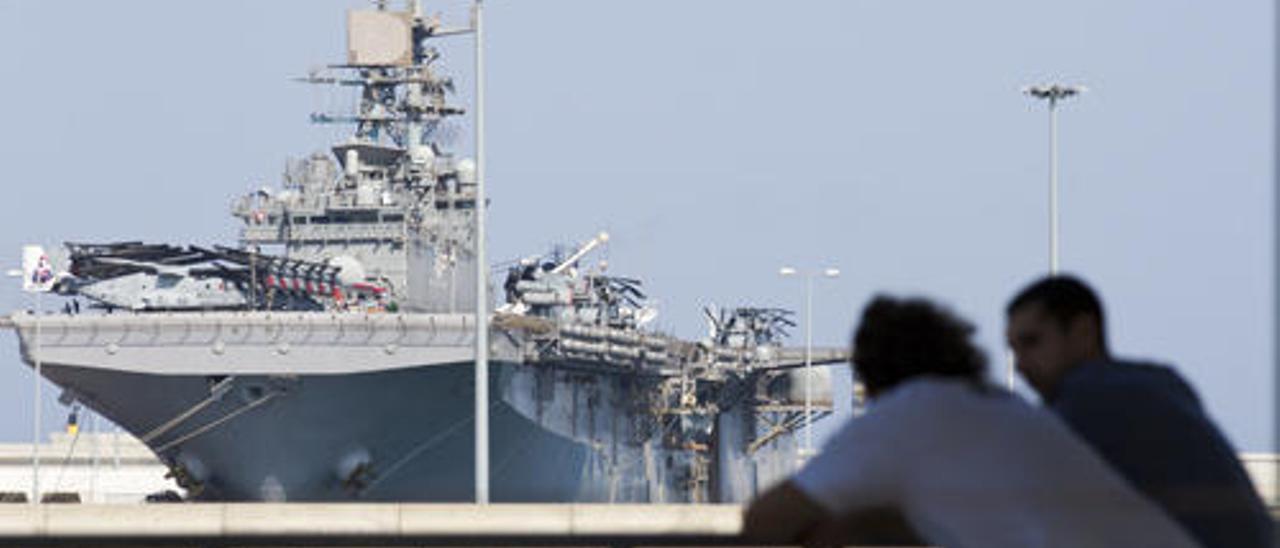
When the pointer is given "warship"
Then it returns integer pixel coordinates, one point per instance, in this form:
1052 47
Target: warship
328 355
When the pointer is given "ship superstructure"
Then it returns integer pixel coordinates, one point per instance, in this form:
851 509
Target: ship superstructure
328 356
391 201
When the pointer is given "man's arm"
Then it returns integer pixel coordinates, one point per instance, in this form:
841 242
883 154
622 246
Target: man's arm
785 515
782 515
883 526
858 469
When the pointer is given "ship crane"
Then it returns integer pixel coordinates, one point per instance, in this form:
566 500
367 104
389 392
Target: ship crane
586 248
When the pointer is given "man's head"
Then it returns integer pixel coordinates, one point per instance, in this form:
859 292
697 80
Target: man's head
1054 325
898 339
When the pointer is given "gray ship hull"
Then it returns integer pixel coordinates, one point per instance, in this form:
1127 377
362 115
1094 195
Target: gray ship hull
320 407
412 428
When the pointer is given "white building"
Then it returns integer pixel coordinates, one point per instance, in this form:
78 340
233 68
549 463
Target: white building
1262 468
109 467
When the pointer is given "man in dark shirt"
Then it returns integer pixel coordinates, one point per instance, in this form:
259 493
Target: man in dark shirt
1142 418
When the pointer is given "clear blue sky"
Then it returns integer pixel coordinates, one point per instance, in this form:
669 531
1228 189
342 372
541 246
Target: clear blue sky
717 141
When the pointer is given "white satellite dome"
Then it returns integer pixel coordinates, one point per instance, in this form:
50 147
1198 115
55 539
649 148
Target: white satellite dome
466 169
350 270
422 155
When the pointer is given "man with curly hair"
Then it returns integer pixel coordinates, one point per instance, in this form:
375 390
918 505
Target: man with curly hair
943 457
1143 418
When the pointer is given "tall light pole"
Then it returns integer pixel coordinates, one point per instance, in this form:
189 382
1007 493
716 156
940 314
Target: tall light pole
33 259
35 420
787 271
1053 93
482 271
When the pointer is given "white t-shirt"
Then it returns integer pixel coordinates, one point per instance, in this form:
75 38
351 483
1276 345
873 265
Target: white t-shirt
981 467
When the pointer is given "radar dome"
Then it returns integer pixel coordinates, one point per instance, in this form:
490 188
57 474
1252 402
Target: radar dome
350 270
466 169
422 155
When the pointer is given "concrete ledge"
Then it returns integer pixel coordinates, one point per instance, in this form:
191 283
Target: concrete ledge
493 519
323 520
134 520
606 519
500 522
21 520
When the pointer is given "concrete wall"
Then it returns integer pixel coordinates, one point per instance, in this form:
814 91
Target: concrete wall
317 521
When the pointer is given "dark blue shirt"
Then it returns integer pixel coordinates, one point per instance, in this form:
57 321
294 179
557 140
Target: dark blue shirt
1148 424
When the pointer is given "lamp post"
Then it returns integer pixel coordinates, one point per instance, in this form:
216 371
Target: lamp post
786 271
1053 93
35 420
37 396
482 271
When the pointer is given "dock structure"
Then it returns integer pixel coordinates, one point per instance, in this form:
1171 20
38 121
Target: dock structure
244 524
109 467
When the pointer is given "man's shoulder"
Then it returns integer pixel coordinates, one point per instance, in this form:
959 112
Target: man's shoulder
1128 379
1117 394
1126 369
917 406
909 403
932 392
1146 421
1144 369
